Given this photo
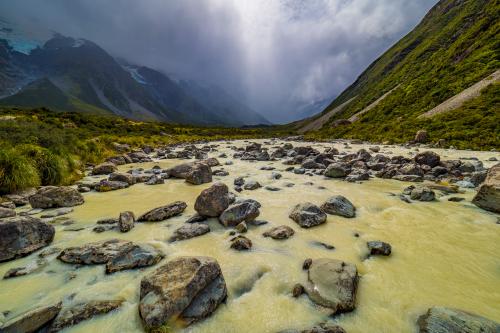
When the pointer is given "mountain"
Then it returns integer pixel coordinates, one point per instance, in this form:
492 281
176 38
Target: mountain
222 104
68 74
450 61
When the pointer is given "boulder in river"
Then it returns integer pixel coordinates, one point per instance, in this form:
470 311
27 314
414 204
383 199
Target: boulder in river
22 235
189 287
126 221
446 320
429 158
110 185
33 320
77 313
252 185
134 256
123 177
246 210
241 243
422 194
7 212
307 215
336 170
190 230
116 254
332 284
213 200
339 205
163 212
104 169
199 174
379 248
488 195
279 232
56 196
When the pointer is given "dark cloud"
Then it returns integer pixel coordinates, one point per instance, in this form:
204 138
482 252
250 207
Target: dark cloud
271 53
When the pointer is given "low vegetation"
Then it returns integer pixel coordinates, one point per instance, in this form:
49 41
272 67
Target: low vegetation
454 47
43 147
475 125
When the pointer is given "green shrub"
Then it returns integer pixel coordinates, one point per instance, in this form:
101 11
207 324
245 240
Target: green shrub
52 168
16 171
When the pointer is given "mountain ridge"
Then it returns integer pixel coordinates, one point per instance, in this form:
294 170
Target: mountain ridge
93 80
452 48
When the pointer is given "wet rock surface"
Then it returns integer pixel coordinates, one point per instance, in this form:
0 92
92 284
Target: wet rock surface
190 287
307 215
332 284
241 243
77 313
33 320
164 212
379 248
488 195
244 211
279 232
190 230
339 205
213 200
22 235
116 254
446 320
56 196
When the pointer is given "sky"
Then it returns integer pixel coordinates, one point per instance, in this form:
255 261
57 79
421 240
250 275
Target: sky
275 55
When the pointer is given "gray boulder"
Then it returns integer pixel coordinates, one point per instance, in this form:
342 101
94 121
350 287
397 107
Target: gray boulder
427 158
116 254
189 287
199 174
73 315
332 284
126 221
279 232
379 248
307 215
104 169
336 170
246 210
252 185
488 195
339 205
110 185
134 256
190 230
164 212
56 196
213 200
241 243
33 320
446 320
122 177
22 235
7 212
422 194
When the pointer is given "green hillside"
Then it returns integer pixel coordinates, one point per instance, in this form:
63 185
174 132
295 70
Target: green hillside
455 46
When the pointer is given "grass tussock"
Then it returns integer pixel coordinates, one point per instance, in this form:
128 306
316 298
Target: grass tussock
16 171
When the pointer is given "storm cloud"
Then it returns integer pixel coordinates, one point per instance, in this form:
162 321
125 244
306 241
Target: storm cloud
273 54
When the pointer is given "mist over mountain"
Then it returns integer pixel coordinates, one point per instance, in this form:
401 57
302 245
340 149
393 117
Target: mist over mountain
273 56
69 74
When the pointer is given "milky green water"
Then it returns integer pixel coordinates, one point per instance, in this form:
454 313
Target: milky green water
444 253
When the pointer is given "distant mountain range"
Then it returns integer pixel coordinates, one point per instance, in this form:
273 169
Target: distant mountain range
67 74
